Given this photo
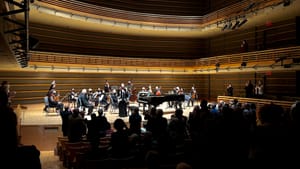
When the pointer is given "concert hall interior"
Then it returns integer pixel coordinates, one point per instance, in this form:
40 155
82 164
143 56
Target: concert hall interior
223 79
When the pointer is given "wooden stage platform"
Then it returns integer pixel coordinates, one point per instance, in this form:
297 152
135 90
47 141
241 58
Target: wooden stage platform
33 114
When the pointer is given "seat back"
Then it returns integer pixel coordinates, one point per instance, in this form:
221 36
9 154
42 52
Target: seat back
46 101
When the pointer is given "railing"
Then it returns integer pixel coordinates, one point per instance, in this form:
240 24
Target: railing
267 58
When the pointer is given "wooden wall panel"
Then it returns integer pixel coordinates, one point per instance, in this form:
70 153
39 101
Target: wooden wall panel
280 34
31 87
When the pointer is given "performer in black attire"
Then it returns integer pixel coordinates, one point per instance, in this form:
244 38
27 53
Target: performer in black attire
48 94
123 100
249 89
229 90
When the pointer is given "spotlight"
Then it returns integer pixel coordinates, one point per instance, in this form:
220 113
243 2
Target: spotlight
242 22
237 22
225 27
230 25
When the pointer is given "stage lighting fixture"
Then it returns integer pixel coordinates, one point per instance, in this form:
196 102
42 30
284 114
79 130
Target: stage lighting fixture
242 22
229 25
225 27
237 22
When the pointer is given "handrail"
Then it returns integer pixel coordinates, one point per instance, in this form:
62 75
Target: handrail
264 58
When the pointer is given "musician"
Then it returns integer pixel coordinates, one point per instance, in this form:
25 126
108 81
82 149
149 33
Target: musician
150 90
172 103
229 90
157 91
104 99
143 93
123 100
96 96
90 95
83 100
46 98
114 98
193 94
107 87
73 96
178 103
54 101
129 88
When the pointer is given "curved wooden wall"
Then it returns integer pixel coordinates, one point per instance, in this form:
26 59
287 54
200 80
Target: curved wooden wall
31 86
61 40
164 11
56 39
280 34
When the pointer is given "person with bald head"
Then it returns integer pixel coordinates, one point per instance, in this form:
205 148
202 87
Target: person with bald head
83 100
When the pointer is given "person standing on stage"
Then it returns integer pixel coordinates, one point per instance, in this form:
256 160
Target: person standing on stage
48 94
249 89
123 97
193 97
229 90
259 89
106 87
84 101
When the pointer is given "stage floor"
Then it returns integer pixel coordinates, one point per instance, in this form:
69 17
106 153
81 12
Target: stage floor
33 114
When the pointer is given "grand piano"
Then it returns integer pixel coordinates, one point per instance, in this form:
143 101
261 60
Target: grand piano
154 101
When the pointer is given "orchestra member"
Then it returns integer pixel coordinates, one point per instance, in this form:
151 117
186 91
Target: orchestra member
90 95
142 93
107 88
54 102
229 90
83 101
178 103
73 97
249 89
46 98
150 89
157 91
259 89
104 99
123 97
129 88
193 94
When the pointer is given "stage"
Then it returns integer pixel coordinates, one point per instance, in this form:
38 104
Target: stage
33 114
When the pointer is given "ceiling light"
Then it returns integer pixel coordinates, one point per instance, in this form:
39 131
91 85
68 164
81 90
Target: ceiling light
243 22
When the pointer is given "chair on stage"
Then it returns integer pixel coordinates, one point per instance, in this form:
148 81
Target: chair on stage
48 106
114 105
